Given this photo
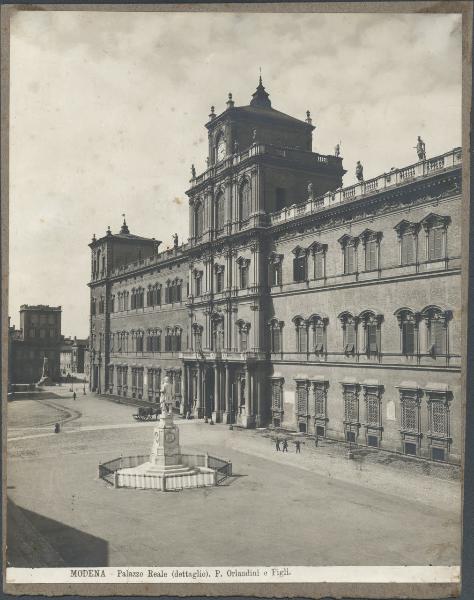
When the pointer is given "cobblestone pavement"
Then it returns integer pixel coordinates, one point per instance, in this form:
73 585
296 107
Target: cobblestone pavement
316 507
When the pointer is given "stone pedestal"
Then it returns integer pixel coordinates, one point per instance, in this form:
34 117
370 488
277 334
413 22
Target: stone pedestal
167 468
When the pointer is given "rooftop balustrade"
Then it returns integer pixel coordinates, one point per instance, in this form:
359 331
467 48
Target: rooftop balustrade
394 178
303 156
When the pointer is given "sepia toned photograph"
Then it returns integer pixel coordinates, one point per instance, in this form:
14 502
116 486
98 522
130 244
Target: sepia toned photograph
236 266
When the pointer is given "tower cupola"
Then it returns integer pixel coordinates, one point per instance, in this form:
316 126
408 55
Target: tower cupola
260 97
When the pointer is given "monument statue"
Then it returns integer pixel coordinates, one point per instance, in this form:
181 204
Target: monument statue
193 171
175 240
337 150
310 190
420 149
166 396
359 171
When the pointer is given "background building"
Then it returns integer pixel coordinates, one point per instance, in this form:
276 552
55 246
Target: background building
296 303
39 337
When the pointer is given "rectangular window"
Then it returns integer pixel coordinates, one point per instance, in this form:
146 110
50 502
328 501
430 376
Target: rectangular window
408 339
350 436
408 249
275 274
438 454
299 268
371 255
410 448
409 414
351 406
439 418
276 397
301 399
198 286
320 402
320 431
373 441
435 243
349 259
373 410
319 265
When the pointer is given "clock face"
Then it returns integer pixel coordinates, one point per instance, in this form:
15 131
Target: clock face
221 151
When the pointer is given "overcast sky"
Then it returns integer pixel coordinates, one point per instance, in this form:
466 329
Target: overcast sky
107 115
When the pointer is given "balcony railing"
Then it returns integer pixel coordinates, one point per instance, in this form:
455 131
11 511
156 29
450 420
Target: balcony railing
423 168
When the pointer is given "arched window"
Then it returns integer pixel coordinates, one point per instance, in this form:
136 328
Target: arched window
244 201
349 332
198 219
317 341
301 334
436 329
408 322
371 324
276 336
220 212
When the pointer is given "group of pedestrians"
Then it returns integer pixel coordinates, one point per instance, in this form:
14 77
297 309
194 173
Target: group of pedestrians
284 445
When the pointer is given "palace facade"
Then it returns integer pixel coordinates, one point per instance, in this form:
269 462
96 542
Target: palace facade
295 303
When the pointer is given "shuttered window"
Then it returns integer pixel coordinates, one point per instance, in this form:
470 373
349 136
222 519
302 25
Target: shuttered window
408 249
276 396
351 406
318 338
371 339
349 259
373 410
409 414
319 402
302 400
301 339
408 339
319 265
350 336
371 255
438 337
438 418
435 243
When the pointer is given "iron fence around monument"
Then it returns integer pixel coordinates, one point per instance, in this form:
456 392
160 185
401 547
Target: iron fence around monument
107 469
222 467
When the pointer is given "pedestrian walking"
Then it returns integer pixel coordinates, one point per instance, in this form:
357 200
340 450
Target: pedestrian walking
285 446
298 446
56 428
277 445
74 395
316 441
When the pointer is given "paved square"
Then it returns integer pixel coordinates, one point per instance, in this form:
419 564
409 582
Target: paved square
280 509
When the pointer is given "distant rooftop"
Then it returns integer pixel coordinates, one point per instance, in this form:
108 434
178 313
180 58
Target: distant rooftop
44 307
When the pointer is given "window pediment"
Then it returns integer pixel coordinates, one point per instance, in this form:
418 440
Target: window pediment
347 240
434 220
